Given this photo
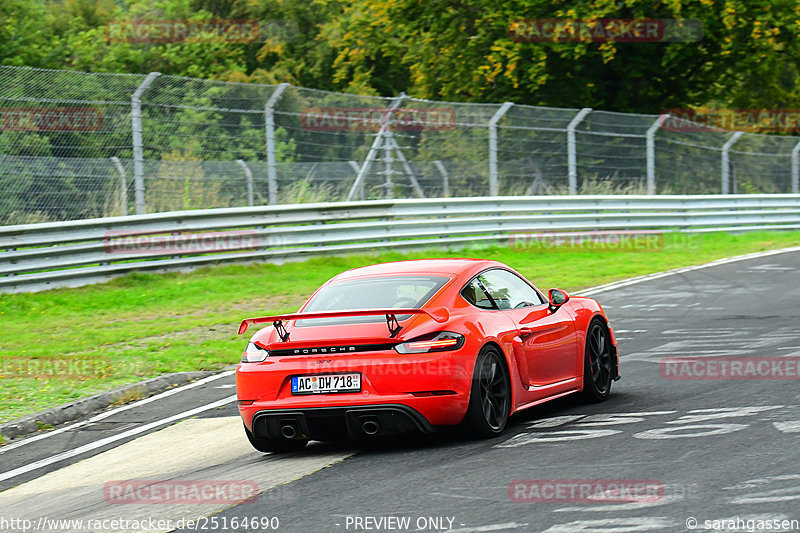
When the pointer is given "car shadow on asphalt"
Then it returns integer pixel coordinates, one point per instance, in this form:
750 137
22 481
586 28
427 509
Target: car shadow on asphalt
455 436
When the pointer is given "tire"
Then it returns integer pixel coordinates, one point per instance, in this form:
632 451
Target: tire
598 367
490 396
267 445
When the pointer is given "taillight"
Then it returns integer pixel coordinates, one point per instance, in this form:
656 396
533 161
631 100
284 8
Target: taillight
254 353
440 341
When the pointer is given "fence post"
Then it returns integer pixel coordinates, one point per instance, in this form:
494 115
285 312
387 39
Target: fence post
494 189
445 178
356 168
376 144
796 168
387 165
249 177
651 153
403 161
123 186
136 132
572 153
269 126
726 170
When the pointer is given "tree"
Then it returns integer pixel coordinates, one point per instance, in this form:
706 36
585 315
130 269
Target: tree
462 50
27 35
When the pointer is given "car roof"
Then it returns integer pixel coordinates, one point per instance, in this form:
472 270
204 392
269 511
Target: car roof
446 266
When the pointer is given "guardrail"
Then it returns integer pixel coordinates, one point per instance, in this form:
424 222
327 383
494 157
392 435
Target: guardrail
41 256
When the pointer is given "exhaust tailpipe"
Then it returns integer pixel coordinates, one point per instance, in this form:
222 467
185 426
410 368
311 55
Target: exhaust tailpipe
288 431
370 427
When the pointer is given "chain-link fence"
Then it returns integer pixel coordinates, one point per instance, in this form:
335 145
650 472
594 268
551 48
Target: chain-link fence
76 145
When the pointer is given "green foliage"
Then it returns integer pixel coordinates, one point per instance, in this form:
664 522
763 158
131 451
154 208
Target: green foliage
463 51
748 57
302 192
28 34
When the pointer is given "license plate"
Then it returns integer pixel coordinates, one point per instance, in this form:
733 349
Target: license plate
326 383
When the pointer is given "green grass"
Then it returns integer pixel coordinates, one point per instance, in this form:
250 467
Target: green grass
143 325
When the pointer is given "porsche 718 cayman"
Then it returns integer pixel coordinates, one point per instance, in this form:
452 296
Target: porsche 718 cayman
413 345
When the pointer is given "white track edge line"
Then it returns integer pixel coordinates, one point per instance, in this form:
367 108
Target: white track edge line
106 414
680 270
114 438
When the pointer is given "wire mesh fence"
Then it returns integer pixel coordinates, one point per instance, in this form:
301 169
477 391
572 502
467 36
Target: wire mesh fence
76 145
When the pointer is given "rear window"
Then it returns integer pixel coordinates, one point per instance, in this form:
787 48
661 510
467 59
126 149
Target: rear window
394 292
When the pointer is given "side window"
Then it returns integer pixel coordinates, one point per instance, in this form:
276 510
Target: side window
508 290
474 294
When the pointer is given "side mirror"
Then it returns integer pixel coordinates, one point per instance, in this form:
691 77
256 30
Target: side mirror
557 298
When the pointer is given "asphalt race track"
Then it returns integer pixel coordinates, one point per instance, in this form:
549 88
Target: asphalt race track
671 447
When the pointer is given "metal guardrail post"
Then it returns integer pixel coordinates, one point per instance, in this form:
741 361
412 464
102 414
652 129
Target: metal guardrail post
269 127
123 186
651 153
249 175
796 168
494 188
376 144
136 132
726 167
572 151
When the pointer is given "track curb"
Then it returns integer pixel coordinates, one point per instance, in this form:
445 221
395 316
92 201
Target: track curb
79 408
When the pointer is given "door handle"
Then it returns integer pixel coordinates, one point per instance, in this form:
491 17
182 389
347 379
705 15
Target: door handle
525 331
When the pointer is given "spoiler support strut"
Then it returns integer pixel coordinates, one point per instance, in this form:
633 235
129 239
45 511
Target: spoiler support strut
393 325
439 314
281 329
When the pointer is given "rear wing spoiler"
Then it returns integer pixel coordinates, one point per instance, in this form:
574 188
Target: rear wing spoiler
439 314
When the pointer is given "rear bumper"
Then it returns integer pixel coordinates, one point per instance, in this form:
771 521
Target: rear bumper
334 423
433 387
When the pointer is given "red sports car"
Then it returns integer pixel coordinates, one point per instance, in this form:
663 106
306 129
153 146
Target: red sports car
409 346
